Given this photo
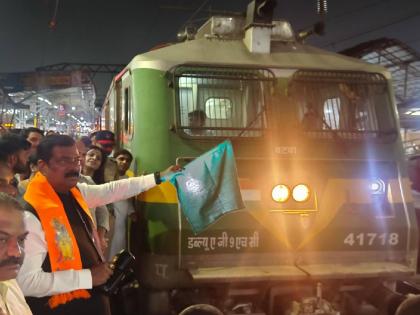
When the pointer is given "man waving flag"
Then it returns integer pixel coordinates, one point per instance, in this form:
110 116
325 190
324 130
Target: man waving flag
208 187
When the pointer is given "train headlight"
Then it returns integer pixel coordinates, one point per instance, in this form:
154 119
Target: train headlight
301 193
280 193
377 186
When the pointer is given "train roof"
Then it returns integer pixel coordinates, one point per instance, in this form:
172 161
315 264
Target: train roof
290 55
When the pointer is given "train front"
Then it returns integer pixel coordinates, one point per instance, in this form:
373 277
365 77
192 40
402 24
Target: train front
328 210
329 218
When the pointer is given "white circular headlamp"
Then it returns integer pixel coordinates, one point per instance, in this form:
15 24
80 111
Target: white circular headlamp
280 193
301 193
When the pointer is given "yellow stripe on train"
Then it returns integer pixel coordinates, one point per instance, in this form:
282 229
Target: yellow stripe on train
163 193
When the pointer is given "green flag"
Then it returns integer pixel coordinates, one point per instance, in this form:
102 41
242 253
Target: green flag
208 187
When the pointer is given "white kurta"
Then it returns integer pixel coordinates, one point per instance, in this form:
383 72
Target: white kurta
12 301
31 278
122 209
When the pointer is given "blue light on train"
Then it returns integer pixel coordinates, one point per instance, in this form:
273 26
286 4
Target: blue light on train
377 186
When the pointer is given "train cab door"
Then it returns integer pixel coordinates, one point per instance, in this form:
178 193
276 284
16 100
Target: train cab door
103 121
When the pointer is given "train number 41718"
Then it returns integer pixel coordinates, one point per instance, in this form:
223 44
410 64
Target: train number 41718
372 239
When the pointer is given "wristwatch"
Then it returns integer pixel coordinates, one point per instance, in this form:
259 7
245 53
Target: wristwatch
158 180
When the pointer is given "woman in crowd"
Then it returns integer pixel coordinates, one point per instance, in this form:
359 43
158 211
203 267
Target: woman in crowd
94 164
93 173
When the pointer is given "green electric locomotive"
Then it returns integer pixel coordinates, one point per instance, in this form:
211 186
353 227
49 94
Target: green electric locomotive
329 219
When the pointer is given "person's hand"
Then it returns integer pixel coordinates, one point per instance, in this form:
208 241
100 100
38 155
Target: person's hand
170 169
100 273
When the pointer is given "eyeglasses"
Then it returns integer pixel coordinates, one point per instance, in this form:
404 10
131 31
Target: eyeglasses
68 161
5 242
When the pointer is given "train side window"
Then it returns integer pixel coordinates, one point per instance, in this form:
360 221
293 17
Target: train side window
112 113
104 121
127 112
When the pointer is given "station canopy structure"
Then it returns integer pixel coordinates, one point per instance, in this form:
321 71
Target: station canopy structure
403 62
58 97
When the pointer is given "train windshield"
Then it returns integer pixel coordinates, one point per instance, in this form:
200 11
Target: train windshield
350 104
228 102
222 102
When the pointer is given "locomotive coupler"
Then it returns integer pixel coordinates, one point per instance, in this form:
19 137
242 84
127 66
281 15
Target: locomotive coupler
315 305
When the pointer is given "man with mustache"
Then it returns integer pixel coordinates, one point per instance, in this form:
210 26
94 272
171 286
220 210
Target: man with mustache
12 237
14 154
64 264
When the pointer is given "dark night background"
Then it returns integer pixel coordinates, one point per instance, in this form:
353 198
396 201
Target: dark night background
93 31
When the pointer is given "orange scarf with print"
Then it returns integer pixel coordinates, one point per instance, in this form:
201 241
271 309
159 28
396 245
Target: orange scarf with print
62 246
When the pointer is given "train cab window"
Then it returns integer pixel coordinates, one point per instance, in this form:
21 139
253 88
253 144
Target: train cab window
329 118
352 105
222 102
218 108
332 108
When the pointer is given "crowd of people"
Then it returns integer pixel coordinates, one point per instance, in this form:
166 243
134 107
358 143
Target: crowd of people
64 205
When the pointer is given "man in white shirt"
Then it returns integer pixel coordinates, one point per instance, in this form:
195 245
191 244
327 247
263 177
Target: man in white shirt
12 237
63 261
122 208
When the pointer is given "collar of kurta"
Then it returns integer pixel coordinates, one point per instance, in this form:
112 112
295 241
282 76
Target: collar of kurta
63 250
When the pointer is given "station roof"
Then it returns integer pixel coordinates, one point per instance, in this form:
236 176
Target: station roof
56 100
401 60
404 64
